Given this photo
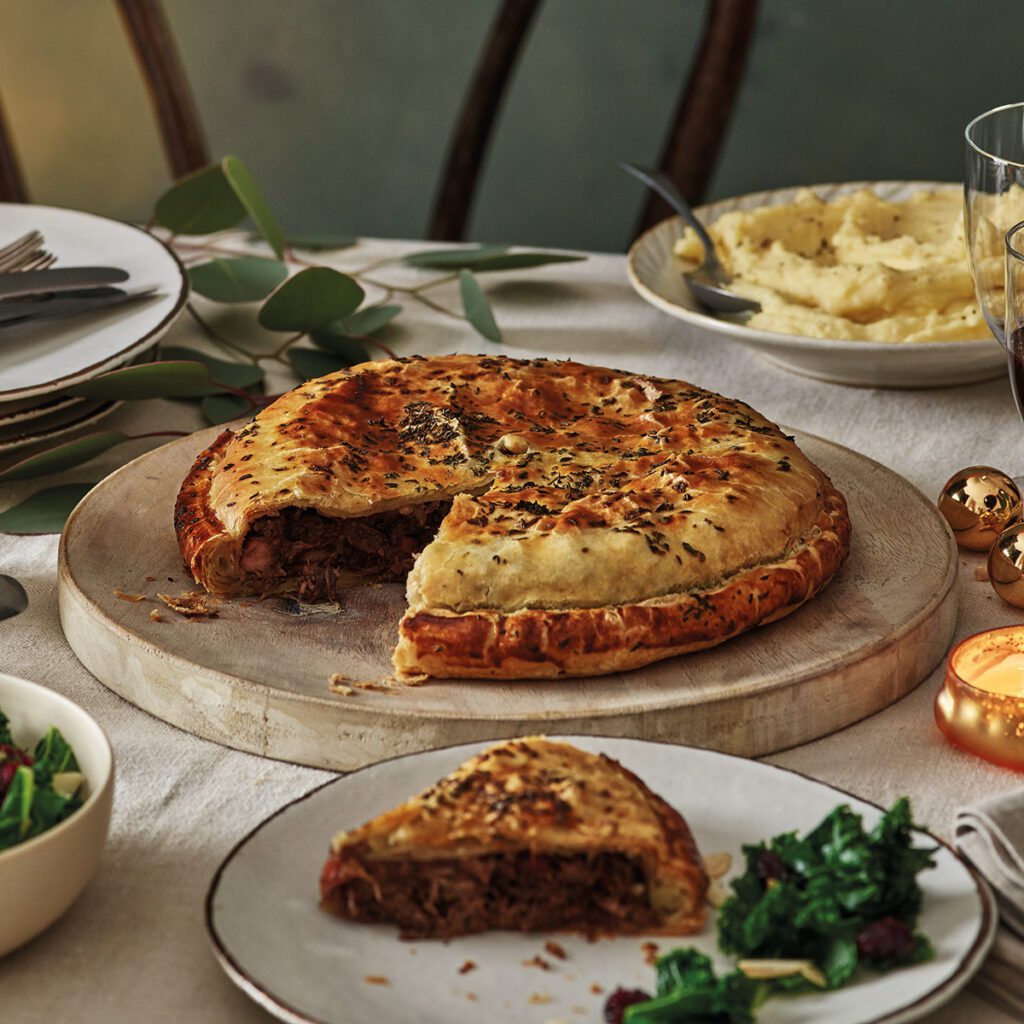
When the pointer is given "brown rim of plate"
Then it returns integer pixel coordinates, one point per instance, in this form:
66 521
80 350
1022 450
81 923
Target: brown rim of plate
964 971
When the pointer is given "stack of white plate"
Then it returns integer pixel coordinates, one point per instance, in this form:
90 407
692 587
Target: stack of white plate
40 361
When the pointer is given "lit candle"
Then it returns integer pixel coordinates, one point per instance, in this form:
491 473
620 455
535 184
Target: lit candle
981 704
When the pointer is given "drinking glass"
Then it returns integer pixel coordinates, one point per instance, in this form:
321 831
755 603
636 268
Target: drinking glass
1014 311
993 203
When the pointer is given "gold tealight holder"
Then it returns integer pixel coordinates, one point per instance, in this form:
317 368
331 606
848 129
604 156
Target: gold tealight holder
981 704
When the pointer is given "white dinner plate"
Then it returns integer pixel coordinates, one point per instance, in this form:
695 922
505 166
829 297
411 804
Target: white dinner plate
303 964
87 415
39 358
655 273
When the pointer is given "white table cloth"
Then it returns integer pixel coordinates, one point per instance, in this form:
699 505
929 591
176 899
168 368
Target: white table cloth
133 948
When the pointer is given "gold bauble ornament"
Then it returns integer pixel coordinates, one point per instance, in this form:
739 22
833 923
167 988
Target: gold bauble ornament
979 503
1006 565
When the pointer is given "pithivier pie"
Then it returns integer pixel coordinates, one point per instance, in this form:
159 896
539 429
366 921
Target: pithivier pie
530 835
551 518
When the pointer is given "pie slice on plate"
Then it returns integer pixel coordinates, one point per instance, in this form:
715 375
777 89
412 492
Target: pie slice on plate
530 835
551 518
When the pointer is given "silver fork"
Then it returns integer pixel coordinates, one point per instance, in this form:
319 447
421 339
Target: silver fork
25 253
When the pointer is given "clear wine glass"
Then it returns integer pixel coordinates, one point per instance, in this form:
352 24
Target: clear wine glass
993 203
1014 311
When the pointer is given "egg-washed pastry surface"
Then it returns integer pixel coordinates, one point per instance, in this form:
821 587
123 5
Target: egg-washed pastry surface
557 518
530 835
854 267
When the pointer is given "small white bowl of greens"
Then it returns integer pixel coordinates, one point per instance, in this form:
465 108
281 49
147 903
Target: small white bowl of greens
56 791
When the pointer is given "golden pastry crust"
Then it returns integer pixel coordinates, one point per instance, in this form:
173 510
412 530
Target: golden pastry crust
537 795
601 520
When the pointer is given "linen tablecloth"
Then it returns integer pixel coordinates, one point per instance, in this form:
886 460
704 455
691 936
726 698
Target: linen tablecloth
133 948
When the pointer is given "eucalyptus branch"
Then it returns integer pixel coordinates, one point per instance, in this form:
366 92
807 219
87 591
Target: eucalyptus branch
215 336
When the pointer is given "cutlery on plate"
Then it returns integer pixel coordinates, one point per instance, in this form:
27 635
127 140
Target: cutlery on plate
13 599
20 311
25 253
709 283
15 284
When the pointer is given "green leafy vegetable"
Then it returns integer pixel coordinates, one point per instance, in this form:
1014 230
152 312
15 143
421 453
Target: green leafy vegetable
45 511
477 309
30 802
243 279
688 990
810 897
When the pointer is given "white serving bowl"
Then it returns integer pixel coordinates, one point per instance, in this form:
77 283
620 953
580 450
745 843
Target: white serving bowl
656 275
40 878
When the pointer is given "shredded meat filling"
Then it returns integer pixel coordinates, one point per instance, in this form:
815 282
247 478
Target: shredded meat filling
316 551
592 894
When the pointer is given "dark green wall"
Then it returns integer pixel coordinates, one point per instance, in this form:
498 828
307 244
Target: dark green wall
342 107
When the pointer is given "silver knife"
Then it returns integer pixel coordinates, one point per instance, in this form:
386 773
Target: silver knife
40 282
23 311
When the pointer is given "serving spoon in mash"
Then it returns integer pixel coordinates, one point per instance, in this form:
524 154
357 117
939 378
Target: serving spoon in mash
709 283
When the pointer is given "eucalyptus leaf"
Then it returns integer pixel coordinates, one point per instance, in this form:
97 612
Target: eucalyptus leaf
309 363
366 321
476 306
249 195
454 259
314 242
171 379
63 456
45 511
245 279
350 350
199 204
522 260
221 408
219 371
311 300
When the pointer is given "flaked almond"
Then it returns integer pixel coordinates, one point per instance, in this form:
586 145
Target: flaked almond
766 970
124 595
717 893
717 864
513 444
812 973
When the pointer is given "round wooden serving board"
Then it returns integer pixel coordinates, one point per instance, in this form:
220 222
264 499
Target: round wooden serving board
256 677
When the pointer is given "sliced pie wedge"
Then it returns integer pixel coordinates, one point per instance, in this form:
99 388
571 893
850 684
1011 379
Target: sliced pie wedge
530 835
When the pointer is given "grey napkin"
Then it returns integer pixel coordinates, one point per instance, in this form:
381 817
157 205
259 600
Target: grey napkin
990 834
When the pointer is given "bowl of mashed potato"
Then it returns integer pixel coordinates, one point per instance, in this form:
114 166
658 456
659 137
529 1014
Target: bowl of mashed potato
865 283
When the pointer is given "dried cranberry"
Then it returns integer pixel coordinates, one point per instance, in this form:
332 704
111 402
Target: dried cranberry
10 759
616 1003
770 867
887 939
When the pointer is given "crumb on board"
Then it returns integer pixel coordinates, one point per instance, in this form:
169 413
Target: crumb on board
650 953
150 579
412 679
246 604
337 684
376 979
597 989
556 950
193 605
981 573
467 967
124 595
155 615
537 961
472 997
539 998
